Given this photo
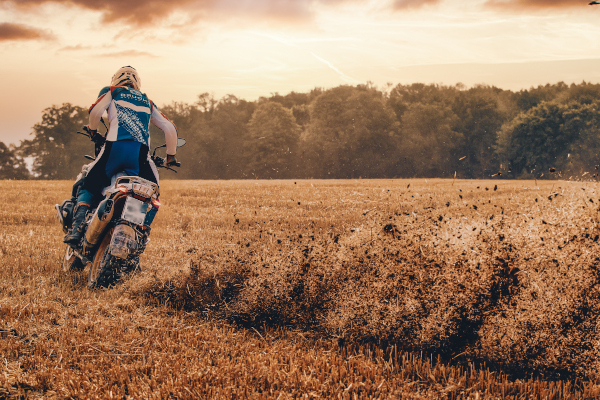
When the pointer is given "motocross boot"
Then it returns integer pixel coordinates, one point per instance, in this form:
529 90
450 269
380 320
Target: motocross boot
76 233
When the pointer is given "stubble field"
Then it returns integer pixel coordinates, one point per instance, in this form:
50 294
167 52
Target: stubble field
314 289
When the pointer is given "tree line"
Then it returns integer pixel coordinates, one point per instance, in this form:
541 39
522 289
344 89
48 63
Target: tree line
350 132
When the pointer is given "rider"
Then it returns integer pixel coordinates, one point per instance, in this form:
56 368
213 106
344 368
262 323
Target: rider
127 141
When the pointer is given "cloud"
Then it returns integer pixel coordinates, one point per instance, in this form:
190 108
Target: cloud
11 32
146 12
274 10
535 4
135 12
75 48
128 53
411 4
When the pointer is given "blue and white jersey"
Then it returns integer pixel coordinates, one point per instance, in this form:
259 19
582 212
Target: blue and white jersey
130 113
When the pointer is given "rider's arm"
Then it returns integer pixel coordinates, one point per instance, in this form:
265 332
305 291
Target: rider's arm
97 109
163 123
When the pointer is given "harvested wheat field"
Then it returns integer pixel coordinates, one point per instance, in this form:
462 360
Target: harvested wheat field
314 289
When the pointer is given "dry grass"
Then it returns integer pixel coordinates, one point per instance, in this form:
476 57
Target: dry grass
328 289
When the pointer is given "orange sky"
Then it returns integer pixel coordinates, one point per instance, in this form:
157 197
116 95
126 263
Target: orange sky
66 51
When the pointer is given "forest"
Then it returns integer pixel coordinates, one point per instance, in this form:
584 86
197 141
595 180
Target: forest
352 132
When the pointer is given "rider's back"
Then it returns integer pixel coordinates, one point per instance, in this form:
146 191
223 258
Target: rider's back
129 114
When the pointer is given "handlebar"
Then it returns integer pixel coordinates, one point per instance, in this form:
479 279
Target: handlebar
95 137
160 163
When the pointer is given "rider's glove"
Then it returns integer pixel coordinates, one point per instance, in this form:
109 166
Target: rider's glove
158 161
171 161
97 138
91 132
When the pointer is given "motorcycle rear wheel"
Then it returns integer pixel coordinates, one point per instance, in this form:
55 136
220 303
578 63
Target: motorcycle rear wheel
71 262
105 269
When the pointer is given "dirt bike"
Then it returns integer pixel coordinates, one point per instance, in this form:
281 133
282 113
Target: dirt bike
117 231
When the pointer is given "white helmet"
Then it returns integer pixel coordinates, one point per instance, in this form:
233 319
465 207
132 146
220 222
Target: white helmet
126 75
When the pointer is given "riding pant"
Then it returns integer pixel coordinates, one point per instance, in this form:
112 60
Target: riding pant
128 156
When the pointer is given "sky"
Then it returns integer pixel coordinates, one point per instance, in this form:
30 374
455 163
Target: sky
64 51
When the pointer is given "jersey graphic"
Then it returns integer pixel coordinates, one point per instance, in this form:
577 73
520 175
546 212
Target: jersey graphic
129 114
130 120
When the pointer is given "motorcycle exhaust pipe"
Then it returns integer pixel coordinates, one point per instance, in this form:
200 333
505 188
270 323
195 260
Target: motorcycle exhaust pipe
102 217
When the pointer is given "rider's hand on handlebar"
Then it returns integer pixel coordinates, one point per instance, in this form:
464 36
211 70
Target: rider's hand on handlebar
158 161
90 132
95 136
172 161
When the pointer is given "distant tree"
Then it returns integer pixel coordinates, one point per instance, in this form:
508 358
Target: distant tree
11 166
289 100
56 149
402 96
582 122
324 138
429 141
584 93
528 99
374 135
352 133
206 103
479 119
302 114
191 121
215 132
540 139
228 132
272 142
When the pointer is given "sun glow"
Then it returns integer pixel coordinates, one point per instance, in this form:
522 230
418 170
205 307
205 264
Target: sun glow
68 53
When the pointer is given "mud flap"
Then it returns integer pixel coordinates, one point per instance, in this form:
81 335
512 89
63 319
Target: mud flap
123 241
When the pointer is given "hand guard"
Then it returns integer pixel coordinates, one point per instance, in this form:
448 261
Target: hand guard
90 132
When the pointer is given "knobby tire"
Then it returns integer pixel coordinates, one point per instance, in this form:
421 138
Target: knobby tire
105 269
